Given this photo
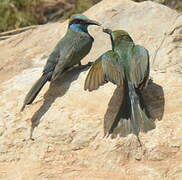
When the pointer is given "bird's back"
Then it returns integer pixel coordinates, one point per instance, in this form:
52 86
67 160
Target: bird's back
124 51
135 60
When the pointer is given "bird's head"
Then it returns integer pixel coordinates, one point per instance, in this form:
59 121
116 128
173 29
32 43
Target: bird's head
80 23
118 35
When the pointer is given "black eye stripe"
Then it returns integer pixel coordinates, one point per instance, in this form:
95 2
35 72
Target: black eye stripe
77 21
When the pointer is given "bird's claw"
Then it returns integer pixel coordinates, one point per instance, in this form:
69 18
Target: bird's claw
85 65
89 63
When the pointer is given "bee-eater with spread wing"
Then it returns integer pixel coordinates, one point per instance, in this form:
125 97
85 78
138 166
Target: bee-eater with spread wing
125 65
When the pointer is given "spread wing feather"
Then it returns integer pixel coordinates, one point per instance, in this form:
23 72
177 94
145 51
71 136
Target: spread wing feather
106 68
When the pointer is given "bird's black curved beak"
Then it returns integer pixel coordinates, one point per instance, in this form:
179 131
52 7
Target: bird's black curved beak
108 31
92 22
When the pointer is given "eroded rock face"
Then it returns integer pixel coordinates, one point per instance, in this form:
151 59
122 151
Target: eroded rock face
69 140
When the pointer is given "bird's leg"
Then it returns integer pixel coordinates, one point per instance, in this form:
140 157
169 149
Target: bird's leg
85 65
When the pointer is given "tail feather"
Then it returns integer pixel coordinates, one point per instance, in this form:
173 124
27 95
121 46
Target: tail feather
146 122
35 90
133 115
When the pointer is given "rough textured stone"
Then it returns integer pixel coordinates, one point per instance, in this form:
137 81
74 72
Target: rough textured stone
69 140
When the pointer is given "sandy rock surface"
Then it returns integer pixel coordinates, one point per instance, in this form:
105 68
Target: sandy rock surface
69 138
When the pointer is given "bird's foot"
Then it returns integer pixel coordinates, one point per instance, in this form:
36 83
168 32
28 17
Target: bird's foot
85 65
89 63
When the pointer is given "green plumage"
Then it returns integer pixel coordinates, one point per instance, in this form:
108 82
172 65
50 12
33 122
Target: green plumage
69 51
125 65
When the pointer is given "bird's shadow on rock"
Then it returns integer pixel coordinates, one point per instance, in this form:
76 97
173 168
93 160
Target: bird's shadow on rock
153 96
56 89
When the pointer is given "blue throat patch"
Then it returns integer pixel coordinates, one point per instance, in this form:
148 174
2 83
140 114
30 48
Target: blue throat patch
79 27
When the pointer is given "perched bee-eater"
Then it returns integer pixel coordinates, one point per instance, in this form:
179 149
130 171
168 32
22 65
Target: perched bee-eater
69 51
126 65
